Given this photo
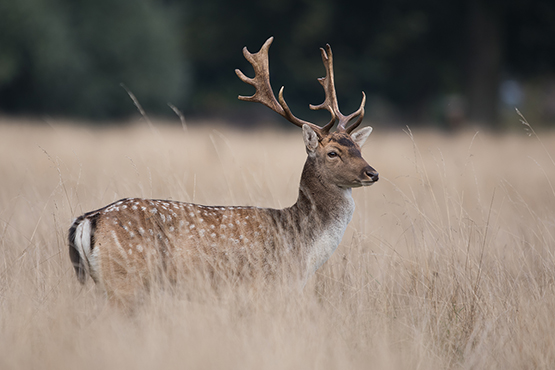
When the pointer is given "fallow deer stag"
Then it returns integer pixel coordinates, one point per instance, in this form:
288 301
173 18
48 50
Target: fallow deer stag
129 244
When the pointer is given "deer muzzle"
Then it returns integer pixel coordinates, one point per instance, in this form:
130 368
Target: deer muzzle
369 176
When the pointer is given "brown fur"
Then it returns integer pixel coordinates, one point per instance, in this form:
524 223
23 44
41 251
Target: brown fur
141 242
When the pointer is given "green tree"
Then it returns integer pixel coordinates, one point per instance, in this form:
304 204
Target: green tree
408 53
70 56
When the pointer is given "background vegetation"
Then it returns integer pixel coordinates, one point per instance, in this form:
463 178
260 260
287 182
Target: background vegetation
448 262
428 61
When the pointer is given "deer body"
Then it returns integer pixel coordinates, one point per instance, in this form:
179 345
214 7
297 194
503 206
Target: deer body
132 243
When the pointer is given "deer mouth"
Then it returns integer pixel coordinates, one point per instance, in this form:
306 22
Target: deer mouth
358 183
368 182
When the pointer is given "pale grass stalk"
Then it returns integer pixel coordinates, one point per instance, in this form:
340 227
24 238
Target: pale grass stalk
397 296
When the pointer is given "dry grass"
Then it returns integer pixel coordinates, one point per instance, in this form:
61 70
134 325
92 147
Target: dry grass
448 263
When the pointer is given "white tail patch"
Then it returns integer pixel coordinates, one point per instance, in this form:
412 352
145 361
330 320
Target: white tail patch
83 239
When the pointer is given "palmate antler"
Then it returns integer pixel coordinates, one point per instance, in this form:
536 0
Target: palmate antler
265 95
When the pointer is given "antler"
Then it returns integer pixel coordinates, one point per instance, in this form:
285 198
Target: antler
265 95
261 82
330 102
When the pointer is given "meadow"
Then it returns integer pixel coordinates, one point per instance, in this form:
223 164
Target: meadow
448 263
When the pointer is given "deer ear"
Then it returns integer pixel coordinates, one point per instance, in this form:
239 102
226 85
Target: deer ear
360 136
310 138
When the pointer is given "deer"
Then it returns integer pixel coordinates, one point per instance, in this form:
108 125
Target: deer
128 245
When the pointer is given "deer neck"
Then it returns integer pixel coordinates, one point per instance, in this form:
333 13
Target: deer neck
322 212
321 200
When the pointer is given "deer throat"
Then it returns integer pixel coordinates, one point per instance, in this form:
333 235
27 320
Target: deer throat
330 234
325 210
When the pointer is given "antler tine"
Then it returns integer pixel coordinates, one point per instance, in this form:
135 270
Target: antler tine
330 102
261 83
261 80
359 112
328 83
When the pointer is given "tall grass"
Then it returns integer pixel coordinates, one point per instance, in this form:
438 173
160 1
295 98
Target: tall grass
448 263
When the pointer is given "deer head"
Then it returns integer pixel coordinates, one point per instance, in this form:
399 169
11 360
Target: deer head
336 155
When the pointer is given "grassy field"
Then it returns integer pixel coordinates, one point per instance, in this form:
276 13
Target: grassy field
448 263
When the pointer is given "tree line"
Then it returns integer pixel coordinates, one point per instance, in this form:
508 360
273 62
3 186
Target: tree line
69 58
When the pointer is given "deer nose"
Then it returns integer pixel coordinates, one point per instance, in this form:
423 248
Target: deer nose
371 173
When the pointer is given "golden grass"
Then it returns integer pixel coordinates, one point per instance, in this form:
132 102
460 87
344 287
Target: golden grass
448 263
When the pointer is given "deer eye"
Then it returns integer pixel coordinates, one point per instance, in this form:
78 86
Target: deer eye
332 154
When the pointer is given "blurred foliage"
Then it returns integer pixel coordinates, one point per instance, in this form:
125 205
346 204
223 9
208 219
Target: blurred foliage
410 57
70 56
386 48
